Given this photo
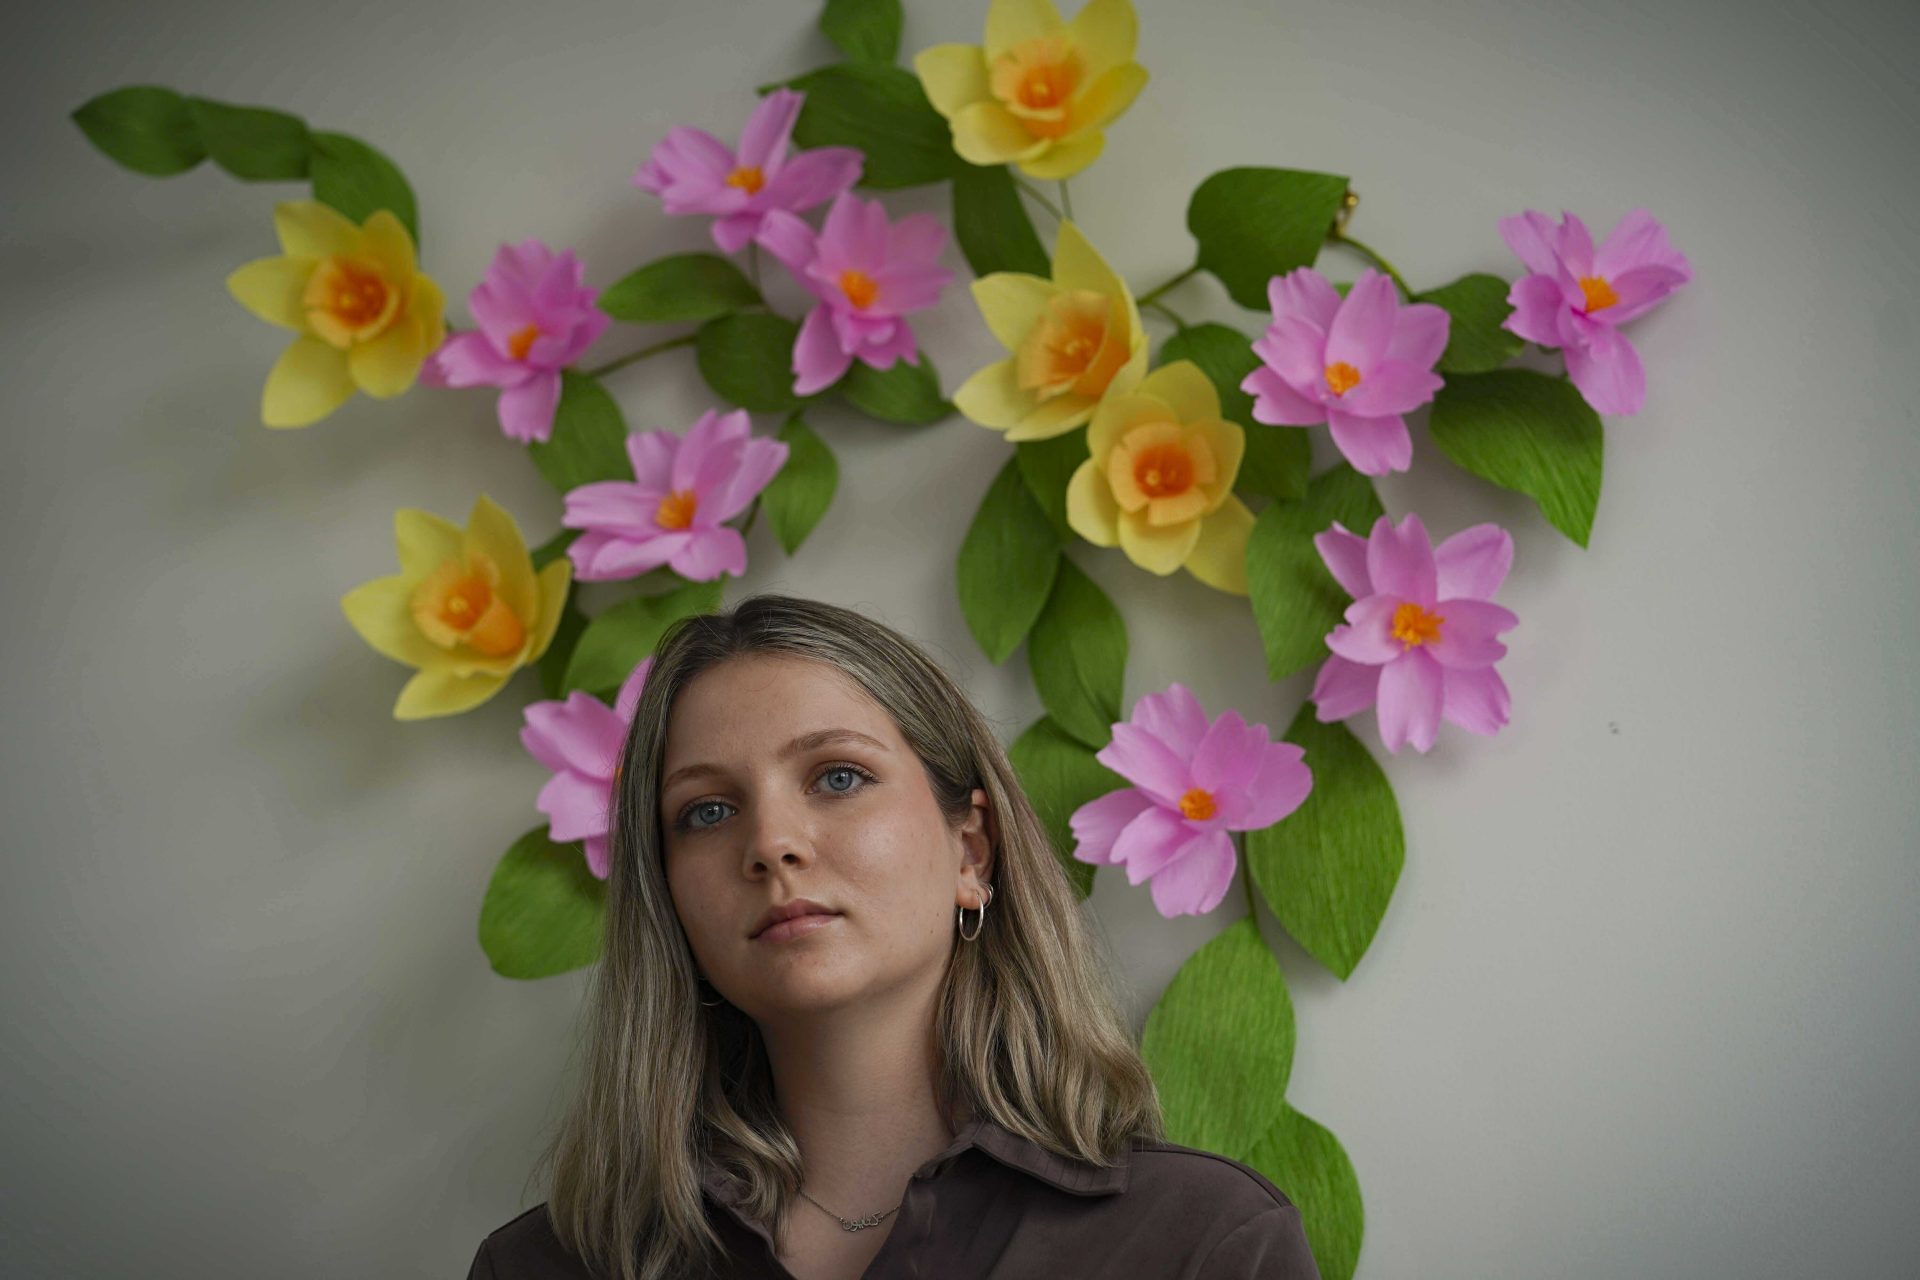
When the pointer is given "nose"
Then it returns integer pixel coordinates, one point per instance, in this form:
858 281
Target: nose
777 835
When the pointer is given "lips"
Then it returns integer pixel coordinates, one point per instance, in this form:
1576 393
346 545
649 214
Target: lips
792 909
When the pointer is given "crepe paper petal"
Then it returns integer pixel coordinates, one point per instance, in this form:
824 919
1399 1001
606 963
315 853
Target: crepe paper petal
1355 363
1419 640
1574 297
672 510
466 610
695 173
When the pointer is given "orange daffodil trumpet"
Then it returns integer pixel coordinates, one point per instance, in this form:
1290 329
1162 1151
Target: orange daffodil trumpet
1074 339
466 608
1040 90
1159 483
365 315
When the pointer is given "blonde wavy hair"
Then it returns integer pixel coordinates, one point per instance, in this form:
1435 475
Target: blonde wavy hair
1028 1029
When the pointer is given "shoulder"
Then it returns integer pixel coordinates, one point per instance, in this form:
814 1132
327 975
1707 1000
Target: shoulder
1167 1169
1247 1225
526 1249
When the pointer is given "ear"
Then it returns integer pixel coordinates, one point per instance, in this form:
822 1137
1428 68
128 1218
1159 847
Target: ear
979 840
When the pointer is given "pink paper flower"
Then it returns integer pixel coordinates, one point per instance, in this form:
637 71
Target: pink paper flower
672 511
1194 782
1355 363
867 276
694 172
580 740
1419 635
1575 298
536 317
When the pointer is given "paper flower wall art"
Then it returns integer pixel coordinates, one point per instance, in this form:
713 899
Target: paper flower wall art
536 316
366 316
579 739
867 274
694 172
1074 339
466 609
1355 363
1418 639
672 512
1575 297
1040 91
1159 481
1193 782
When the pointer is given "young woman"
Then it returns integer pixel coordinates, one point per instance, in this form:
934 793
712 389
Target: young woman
850 1020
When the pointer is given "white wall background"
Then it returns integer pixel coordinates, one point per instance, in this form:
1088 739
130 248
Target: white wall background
1645 1002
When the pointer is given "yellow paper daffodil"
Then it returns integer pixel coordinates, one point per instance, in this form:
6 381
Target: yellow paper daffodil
366 317
1159 483
1075 339
1041 90
466 608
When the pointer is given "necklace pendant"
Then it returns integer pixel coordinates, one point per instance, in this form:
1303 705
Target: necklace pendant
859 1224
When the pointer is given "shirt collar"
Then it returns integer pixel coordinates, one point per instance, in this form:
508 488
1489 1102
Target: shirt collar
1063 1173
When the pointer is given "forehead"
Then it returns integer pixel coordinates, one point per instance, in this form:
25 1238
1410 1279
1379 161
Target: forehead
749 706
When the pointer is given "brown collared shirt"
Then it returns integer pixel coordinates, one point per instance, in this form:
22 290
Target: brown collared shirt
996 1204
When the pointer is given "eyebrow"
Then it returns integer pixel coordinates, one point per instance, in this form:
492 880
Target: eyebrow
806 742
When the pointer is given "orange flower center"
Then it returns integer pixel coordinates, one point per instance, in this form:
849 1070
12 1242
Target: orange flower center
748 178
1413 625
1600 294
1342 377
676 509
1035 80
348 300
522 342
460 603
1162 470
1068 348
859 287
1197 804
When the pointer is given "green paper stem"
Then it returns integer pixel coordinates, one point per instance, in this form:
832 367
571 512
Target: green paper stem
1066 199
1337 236
753 264
685 340
1040 196
1146 299
1167 311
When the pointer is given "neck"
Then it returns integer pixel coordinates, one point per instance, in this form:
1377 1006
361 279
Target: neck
856 1085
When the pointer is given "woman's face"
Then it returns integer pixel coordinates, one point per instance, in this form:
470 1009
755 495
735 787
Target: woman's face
749 819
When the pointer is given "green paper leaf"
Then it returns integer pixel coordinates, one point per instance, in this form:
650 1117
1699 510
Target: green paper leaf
884 112
908 394
1219 1043
802 490
618 639
566 638
256 144
1295 597
351 176
1305 1160
1277 458
1059 774
1047 466
748 360
589 440
1007 565
864 30
1527 432
1328 869
143 127
1078 655
1476 306
1255 223
684 287
992 225
1296 601
543 911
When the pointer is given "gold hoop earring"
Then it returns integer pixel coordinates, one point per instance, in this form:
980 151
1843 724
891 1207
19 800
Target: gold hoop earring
981 923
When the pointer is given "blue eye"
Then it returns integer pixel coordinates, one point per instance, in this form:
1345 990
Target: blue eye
684 822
